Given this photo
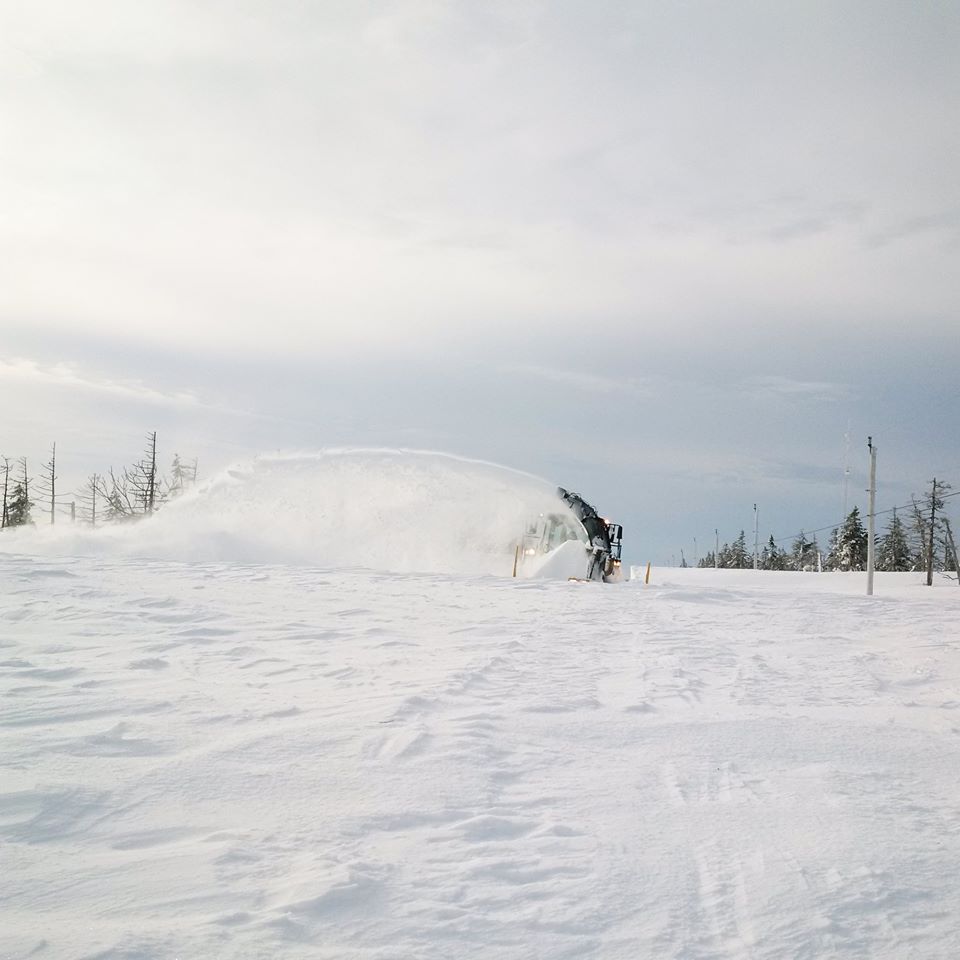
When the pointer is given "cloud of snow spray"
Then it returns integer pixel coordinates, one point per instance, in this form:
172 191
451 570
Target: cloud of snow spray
392 510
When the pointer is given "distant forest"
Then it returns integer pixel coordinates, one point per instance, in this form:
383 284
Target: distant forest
909 540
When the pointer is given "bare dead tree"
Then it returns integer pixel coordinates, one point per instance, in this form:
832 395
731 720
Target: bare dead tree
48 483
920 529
119 494
6 486
88 496
929 521
150 466
953 549
931 531
133 492
142 477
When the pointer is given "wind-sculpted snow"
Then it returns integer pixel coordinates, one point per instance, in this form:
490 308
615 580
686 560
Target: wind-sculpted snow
389 510
233 761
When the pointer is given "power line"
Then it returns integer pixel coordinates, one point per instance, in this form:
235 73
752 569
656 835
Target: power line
877 513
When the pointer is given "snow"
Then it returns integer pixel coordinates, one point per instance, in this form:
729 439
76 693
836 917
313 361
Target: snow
213 758
569 559
400 510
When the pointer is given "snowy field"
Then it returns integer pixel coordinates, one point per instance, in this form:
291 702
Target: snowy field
213 759
207 757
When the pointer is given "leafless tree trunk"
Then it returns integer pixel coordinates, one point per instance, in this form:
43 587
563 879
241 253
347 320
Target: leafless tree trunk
151 470
48 483
6 483
88 496
953 549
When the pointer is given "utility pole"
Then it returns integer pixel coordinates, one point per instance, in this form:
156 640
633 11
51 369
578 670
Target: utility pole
933 518
846 467
756 538
871 510
716 552
696 555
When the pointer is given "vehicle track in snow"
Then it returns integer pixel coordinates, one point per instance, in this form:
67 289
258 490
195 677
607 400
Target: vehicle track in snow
240 761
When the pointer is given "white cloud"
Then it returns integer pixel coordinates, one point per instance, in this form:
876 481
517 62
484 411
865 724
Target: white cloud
326 179
68 376
787 388
578 380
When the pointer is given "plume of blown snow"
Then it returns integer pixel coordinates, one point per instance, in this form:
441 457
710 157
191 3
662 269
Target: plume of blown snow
403 511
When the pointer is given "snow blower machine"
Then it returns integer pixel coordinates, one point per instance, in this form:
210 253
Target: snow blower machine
577 544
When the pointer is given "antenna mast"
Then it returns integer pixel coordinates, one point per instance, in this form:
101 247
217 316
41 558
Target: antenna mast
846 468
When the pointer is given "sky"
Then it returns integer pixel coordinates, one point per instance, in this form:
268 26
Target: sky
679 257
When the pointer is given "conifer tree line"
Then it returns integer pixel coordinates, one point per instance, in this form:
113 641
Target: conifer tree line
129 493
905 544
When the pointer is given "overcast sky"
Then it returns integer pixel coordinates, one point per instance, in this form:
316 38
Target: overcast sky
662 253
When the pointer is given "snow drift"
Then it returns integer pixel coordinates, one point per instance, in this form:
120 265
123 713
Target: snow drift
220 761
403 511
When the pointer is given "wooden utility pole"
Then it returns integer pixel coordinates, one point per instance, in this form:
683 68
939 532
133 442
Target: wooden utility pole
933 518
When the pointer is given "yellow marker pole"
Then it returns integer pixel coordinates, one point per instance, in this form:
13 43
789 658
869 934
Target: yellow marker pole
516 559
646 578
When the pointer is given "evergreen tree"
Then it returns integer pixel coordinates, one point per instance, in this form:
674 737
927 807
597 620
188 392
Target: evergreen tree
738 553
707 561
723 558
832 561
850 552
18 507
894 553
772 557
804 554
18 502
177 479
798 551
182 476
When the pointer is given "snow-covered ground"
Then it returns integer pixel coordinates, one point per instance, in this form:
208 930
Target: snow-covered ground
206 757
211 759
